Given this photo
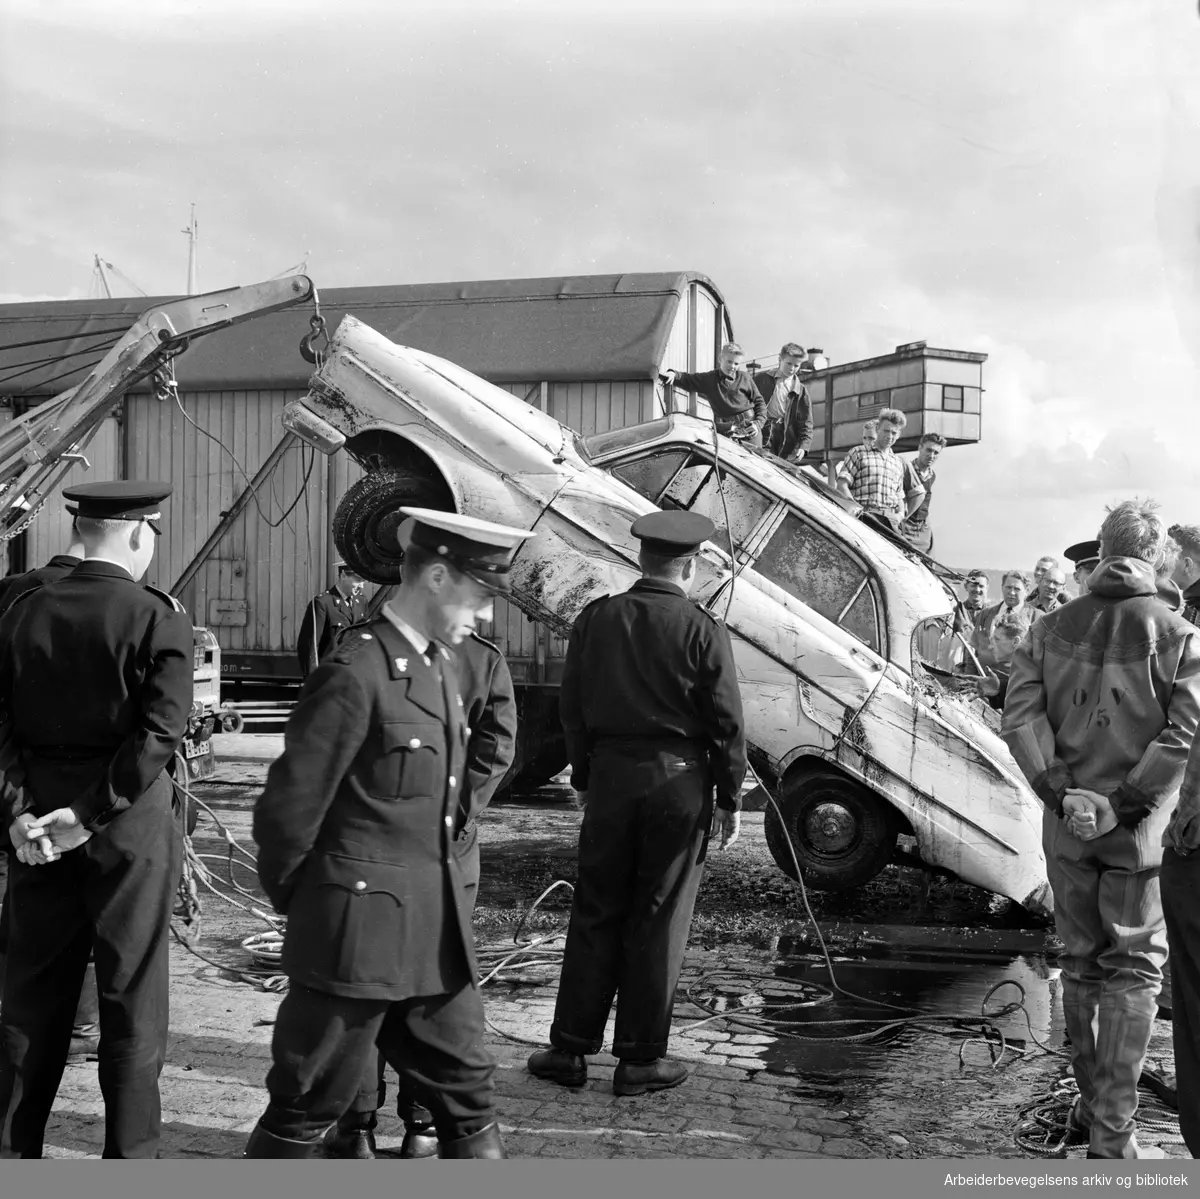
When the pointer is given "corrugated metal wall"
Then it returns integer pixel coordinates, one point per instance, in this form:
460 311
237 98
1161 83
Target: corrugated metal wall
254 586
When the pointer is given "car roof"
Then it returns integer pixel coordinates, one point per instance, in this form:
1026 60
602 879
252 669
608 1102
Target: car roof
908 575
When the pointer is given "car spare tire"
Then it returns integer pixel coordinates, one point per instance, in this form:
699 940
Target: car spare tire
843 835
368 518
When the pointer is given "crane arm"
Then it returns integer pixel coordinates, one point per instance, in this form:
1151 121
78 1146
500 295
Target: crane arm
37 449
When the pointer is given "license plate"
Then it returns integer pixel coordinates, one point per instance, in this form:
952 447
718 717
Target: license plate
196 749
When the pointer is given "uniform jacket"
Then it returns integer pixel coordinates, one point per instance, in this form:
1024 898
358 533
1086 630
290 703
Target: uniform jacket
57 568
355 826
791 436
96 673
651 665
730 399
325 618
1104 694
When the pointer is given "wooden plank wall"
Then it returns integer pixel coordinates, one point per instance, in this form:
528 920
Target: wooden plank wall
50 532
272 562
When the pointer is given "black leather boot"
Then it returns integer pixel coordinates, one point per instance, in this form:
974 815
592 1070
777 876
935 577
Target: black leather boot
484 1143
557 1065
266 1144
420 1140
351 1138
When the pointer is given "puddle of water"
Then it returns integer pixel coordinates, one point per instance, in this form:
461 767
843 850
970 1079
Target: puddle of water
931 984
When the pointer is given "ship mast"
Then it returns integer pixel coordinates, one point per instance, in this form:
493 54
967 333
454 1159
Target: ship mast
191 267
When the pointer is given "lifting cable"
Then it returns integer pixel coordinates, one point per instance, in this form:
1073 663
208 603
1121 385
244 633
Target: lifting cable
173 388
32 364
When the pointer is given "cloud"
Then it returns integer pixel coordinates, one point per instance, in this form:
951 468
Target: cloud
1020 179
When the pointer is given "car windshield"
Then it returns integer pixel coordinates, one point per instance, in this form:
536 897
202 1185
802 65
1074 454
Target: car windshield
942 647
600 444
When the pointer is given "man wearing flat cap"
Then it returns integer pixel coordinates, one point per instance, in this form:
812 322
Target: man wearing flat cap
653 722
328 615
356 830
96 676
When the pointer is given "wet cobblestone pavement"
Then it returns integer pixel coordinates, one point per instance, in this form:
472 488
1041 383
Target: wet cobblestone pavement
750 1094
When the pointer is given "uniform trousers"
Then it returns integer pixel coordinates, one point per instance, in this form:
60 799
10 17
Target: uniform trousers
641 858
324 1045
87 1012
1180 888
113 896
372 1094
1110 919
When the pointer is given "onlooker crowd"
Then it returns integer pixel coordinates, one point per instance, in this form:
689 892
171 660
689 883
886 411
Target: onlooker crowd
771 411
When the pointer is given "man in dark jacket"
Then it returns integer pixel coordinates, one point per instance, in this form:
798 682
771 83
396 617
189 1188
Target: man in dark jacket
58 566
490 708
356 830
653 720
84 1035
738 407
327 616
1103 704
789 429
96 673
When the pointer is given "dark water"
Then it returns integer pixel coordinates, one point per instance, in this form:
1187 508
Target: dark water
935 985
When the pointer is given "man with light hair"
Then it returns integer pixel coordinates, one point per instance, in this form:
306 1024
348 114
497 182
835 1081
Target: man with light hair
738 408
1103 703
789 428
877 479
1186 575
869 429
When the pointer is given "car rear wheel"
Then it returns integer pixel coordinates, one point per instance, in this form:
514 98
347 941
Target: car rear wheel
843 834
368 519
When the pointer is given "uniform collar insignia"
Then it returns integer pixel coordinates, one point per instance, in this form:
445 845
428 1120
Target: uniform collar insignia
401 664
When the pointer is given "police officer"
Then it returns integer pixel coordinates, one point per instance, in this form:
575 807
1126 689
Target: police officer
96 676
1086 556
653 721
328 615
58 567
490 708
356 831
84 1033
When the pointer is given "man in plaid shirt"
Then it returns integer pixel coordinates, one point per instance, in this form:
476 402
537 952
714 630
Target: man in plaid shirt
876 478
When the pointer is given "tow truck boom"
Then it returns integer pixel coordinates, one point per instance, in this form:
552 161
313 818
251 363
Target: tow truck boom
37 449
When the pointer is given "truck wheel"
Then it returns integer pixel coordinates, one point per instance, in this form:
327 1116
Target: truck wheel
842 833
368 518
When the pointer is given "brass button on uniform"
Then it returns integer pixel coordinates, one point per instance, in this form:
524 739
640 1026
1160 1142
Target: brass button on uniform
360 885
449 821
452 780
414 743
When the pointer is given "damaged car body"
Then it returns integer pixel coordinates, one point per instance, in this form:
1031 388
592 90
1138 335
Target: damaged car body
839 631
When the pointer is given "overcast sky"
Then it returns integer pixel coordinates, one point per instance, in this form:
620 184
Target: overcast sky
1021 178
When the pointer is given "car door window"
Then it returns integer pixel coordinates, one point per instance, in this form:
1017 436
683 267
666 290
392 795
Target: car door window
648 476
816 570
741 507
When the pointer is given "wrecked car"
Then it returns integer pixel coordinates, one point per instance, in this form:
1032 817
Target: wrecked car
837 628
